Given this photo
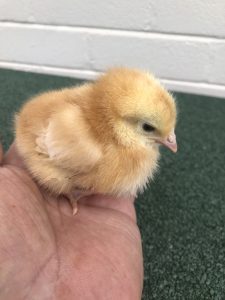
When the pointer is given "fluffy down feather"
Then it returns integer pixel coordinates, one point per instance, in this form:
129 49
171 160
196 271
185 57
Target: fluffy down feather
101 137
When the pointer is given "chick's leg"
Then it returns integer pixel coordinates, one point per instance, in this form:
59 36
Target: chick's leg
74 197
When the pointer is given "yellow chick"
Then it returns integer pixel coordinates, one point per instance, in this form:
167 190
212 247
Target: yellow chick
101 137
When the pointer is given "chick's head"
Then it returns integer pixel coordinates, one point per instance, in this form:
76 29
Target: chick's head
138 109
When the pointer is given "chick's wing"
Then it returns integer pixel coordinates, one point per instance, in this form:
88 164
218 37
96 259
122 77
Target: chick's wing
67 140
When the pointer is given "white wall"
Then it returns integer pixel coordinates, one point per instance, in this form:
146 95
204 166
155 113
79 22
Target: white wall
182 42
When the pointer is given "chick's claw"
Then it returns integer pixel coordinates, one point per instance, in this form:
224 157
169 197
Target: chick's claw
74 204
75 196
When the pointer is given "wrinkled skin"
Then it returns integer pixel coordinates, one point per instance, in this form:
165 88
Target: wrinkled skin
46 253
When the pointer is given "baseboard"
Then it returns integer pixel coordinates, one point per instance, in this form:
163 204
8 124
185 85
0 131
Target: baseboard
200 88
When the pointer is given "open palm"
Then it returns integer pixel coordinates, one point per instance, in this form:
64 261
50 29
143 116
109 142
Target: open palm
46 253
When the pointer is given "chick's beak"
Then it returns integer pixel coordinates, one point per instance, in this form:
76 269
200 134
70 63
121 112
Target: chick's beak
169 142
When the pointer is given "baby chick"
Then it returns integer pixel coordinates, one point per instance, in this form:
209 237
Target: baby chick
101 137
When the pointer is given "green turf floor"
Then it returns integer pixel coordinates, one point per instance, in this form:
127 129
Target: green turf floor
182 214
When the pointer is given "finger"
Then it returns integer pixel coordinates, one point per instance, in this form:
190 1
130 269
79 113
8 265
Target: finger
1 153
12 157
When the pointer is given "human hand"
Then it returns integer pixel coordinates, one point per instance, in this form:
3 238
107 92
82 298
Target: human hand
46 253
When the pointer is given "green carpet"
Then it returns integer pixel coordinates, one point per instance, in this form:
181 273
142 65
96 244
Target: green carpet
182 214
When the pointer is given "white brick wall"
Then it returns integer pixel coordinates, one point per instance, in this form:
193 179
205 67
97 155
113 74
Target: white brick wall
182 42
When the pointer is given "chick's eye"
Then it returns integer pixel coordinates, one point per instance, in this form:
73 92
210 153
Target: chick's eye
147 127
